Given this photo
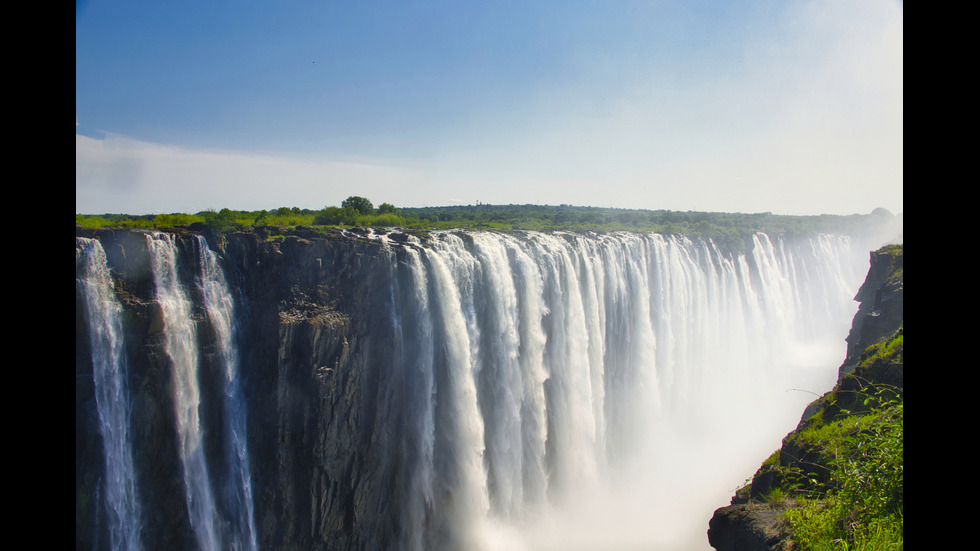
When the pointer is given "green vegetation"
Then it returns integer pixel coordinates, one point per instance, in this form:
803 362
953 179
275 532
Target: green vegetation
161 221
224 219
844 468
861 506
722 227
356 211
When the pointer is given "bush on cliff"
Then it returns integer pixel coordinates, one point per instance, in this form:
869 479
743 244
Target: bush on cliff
845 464
862 503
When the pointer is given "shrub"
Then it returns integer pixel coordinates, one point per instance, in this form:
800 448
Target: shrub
359 204
864 503
222 221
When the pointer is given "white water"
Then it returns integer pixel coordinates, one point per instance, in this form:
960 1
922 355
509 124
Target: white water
561 391
182 347
219 304
103 312
232 526
608 392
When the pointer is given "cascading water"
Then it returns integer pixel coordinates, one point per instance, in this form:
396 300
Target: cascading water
545 390
221 513
111 393
182 347
577 392
219 304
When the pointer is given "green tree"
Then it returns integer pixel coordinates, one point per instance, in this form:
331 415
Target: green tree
360 204
387 208
329 216
349 215
219 222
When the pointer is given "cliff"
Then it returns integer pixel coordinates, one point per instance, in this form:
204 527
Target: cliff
805 474
309 381
408 394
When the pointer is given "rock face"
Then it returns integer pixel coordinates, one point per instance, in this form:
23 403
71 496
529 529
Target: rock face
750 523
746 527
303 379
882 305
308 379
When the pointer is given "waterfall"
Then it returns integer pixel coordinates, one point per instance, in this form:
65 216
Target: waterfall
182 347
104 312
564 385
219 304
542 390
235 528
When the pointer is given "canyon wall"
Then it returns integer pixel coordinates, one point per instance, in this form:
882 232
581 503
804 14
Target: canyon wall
381 391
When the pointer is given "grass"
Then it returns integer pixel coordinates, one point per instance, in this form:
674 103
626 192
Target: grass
862 503
859 502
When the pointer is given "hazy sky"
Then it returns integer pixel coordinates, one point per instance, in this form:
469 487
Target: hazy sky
793 107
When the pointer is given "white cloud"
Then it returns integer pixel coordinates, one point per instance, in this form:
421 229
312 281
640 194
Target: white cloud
118 174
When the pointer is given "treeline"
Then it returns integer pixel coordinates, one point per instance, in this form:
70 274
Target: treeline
353 211
357 211
567 217
224 219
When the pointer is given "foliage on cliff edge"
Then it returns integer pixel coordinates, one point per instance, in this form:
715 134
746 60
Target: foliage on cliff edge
356 211
839 478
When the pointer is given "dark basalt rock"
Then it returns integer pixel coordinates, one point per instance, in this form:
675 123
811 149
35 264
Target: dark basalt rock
747 527
308 386
882 301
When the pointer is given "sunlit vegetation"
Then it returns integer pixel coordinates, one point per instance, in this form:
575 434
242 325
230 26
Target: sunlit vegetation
843 471
161 221
356 211
861 504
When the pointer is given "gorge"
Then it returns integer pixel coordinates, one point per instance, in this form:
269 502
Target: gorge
454 390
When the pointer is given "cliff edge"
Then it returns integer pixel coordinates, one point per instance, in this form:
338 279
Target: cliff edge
308 302
814 487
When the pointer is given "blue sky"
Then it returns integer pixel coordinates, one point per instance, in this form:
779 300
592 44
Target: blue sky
792 107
